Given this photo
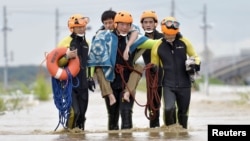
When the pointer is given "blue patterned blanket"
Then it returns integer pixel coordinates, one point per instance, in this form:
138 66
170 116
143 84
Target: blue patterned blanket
104 49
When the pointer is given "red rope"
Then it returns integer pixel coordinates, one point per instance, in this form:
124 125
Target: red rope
152 93
152 88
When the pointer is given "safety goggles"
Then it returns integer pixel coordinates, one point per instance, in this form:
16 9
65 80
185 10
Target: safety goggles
171 24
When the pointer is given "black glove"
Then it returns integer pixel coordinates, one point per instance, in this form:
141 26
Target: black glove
193 68
91 84
153 69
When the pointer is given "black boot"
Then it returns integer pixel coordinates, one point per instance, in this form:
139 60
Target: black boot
155 122
81 123
113 115
183 119
170 116
113 121
126 119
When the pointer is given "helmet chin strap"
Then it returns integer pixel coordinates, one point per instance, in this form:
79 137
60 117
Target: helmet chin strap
170 40
149 31
124 35
80 35
121 34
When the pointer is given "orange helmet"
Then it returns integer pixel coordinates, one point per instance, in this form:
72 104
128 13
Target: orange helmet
77 20
170 26
149 14
124 17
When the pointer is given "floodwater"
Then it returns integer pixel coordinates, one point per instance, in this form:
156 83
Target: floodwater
37 122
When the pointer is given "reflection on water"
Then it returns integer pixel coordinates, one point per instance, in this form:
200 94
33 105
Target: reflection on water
37 123
174 132
138 136
127 136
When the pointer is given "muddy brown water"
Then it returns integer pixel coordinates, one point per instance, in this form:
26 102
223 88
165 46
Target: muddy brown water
37 122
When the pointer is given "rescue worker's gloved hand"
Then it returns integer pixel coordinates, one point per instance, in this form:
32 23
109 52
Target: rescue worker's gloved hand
91 84
71 54
193 68
154 69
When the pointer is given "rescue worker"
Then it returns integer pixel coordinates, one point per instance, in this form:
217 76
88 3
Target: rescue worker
149 22
118 70
107 19
171 52
78 46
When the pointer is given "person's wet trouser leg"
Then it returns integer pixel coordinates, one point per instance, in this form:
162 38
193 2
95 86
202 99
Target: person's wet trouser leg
183 102
169 98
74 112
113 115
126 109
126 116
83 98
156 122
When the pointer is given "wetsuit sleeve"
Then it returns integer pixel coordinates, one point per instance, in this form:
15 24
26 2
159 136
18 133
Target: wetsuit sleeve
64 43
154 55
89 44
148 44
92 72
191 51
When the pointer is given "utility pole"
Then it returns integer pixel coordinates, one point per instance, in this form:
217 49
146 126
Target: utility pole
5 50
206 52
57 27
172 8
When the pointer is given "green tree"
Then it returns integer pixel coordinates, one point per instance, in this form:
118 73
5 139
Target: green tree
42 88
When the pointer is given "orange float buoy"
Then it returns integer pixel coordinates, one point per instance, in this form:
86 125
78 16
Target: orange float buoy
52 64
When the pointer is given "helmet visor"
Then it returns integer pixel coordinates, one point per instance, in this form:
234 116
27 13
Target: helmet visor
171 24
82 21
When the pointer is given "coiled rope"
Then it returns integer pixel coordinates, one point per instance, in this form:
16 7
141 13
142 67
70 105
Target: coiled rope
62 90
152 93
152 88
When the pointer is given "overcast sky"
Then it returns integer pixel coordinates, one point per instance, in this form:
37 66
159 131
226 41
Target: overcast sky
32 23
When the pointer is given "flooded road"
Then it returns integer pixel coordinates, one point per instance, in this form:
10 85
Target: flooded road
37 123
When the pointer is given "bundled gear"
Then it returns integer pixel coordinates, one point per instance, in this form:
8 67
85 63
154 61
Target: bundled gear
62 98
152 94
191 68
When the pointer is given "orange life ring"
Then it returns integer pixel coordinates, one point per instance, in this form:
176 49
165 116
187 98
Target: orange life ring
52 64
